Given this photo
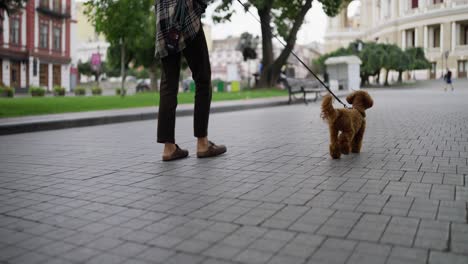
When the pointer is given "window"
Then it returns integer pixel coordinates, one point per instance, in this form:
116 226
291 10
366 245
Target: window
44 36
463 34
436 37
414 3
15 33
44 75
57 43
462 68
2 17
44 3
410 38
57 5
435 2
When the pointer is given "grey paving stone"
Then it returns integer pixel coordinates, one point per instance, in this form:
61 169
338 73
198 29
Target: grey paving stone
400 231
433 235
105 258
440 258
459 242
408 255
193 246
101 194
222 251
253 256
155 254
370 227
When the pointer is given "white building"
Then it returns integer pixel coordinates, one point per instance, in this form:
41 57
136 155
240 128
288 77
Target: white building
225 56
438 26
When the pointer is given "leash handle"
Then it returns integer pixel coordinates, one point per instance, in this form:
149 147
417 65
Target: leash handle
294 54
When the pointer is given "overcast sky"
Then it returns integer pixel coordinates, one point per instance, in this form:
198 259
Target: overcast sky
312 30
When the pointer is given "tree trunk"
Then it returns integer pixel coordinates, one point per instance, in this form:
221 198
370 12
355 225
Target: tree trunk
400 76
153 73
274 71
122 67
267 43
386 77
364 80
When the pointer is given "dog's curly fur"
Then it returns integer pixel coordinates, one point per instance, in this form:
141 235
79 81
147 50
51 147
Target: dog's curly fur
350 122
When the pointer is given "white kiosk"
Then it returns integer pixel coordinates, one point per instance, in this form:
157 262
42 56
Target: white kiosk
344 72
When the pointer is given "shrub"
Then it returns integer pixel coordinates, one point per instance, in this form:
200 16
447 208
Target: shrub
118 91
59 91
6 91
37 91
96 90
80 91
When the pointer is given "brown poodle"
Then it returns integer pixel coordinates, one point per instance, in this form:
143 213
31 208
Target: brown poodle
350 122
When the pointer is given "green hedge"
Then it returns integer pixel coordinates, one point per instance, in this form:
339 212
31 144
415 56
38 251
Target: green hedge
6 91
37 91
80 91
59 91
96 90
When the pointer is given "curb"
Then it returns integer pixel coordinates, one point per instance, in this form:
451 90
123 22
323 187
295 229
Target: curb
36 126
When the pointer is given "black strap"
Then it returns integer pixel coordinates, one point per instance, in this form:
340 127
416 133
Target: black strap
294 54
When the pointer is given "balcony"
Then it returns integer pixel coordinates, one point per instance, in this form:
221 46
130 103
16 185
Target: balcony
61 14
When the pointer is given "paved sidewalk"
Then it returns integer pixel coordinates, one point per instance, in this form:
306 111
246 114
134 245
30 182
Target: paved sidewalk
100 194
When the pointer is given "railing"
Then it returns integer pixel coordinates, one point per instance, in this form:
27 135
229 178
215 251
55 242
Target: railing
63 13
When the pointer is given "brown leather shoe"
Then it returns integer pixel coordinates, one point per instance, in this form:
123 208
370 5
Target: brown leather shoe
213 151
176 155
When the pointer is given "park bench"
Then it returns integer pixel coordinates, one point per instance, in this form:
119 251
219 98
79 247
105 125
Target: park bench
302 86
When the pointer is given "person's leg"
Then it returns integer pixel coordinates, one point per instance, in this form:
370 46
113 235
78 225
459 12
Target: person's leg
196 54
168 102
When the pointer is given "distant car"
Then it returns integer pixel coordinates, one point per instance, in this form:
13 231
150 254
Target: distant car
143 86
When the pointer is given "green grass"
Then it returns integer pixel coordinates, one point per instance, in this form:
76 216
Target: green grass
27 106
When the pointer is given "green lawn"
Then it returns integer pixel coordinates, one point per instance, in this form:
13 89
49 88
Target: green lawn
13 107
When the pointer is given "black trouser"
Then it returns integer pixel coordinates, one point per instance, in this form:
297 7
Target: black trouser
197 57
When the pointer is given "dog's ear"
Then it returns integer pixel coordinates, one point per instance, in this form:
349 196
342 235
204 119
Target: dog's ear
350 98
368 102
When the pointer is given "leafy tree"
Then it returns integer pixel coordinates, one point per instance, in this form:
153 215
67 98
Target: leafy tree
86 69
417 59
319 63
248 47
144 49
371 56
392 59
287 17
123 23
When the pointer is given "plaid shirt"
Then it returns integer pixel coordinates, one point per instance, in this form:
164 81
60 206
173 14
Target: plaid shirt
165 10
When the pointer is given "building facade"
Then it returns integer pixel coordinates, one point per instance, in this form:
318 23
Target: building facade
438 26
35 45
227 62
88 42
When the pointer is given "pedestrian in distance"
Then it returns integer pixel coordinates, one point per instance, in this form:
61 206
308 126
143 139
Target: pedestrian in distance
448 80
180 33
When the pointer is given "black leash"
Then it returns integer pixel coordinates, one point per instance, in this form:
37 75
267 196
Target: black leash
294 54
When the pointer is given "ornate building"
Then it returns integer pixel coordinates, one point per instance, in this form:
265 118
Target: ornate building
35 45
439 26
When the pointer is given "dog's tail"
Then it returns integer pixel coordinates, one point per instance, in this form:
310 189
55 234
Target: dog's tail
328 112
